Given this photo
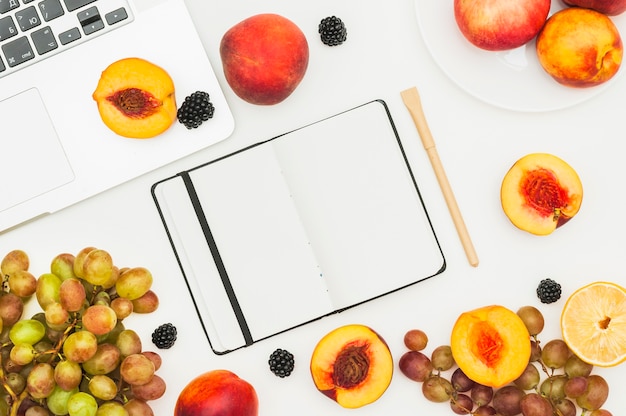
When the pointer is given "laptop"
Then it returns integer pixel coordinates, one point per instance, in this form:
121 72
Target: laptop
54 148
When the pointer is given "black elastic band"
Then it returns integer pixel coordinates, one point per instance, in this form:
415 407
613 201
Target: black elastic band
195 201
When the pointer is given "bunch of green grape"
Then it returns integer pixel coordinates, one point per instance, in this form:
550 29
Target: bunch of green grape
75 357
555 382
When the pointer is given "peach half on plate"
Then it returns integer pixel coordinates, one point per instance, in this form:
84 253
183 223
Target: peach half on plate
540 193
352 365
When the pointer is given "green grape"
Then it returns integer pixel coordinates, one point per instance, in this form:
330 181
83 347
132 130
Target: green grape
72 294
13 261
48 287
554 387
105 360
123 307
115 332
44 351
56 315
101 298
99 319
574 367
58 400
555 354
595 394
22 354
102 387
82 404
134 283
152 390
128 342
97 267
437 389
111 409
147 303
80 346
79 259
441 358
11 309
110 283
68 374
40 381
22 283
137 369
529 379
16 382
62 265
4 407
27 331
532 318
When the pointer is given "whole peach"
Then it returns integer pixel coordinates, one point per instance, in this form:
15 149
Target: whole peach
498 25
580 47
608 7
264 58
217 393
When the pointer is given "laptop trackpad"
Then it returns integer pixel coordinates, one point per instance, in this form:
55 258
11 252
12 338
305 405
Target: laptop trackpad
33 159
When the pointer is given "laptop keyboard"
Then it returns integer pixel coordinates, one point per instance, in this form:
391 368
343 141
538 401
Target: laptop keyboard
31 30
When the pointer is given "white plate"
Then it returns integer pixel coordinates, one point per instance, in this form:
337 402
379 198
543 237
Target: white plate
512 79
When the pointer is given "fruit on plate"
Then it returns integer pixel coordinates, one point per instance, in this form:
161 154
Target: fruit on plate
491 345
352 365
593 323
608 7
264 58
540 193
217 393
498 25
580 47
136 98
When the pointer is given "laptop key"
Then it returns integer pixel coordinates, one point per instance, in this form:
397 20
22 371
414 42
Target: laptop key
116 16
69 36
50 9
7 28
18 51
75 4
27 18
2 67
90 20
6 5
44 40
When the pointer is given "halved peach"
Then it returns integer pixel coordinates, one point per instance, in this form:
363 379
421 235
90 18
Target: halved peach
491 345
540 193
136 98
352 365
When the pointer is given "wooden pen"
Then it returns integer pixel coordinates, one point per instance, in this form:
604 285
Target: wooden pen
413 103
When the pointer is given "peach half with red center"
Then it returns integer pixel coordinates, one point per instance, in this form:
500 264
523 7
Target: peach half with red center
540 193
352 365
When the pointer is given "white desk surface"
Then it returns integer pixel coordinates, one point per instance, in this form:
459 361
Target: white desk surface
477 143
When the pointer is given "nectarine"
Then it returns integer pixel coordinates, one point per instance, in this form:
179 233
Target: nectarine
352 365
491 345
498 25
264 58
540 193
580 47
136 98
217 393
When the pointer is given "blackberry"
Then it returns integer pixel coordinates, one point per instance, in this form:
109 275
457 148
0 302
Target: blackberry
196 108
164 336
332 31
281 363
548 291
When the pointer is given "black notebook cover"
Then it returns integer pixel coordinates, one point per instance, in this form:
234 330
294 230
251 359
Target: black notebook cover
297 227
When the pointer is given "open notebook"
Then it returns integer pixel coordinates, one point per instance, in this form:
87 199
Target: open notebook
298 227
